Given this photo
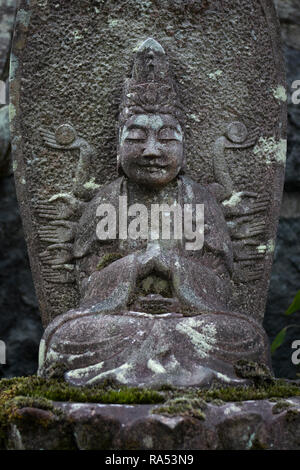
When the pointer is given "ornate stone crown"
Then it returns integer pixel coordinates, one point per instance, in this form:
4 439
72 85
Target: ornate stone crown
150 89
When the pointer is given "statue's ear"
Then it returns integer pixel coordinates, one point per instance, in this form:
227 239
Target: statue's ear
119 166
183 166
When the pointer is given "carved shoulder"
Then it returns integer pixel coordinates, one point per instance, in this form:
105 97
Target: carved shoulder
86 236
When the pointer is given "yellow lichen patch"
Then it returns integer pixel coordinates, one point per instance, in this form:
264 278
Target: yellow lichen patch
271 150
77 35
215 75
280 93
202 340
12 111
14 63
235 199
156 367
91 184
195 118
23 17
107 259
120 373
268 248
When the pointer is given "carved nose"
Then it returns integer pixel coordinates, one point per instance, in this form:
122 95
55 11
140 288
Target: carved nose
152 150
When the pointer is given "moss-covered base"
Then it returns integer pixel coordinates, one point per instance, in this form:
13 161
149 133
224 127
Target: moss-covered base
38 413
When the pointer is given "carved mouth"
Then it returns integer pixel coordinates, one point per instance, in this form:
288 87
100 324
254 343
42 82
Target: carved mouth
154 168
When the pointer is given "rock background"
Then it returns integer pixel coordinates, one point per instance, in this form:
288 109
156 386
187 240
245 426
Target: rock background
20 324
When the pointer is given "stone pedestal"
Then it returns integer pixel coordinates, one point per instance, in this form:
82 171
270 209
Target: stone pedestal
247 425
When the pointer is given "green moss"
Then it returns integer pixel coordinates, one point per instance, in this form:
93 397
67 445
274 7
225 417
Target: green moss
217 402
167 388
30 402
184 406
37 392
257 445
152 284
183 400
278 389
10 411
292 415
14 406
155 285
281 406
108 259
259 373
56 371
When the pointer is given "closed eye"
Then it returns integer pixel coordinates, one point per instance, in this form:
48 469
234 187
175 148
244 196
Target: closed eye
135 140
136 134
169 134
167 139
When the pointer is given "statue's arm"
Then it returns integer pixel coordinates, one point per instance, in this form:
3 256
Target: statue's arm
217 243
84 186
62 211
222 186
235 137
65 138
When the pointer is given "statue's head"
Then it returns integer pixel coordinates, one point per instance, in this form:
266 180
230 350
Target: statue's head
151 139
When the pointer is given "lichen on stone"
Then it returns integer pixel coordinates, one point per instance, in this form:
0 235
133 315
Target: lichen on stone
259 373
271 150
280 93
154 284
107 259
39 393
91 184
184 406
35 393
281 406
234 199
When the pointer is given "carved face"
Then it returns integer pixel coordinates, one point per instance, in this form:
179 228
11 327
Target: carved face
151 149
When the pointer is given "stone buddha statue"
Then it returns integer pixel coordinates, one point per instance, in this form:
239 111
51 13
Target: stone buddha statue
154 308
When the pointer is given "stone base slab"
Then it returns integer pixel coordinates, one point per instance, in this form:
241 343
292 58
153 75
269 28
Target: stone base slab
248 425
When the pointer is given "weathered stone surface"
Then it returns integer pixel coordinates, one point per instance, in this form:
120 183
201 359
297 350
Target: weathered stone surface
251 425
23 320
38 429
22 359
225 282
205 90
151 350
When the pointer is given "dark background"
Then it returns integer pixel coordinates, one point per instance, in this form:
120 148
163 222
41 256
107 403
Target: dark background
20 324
